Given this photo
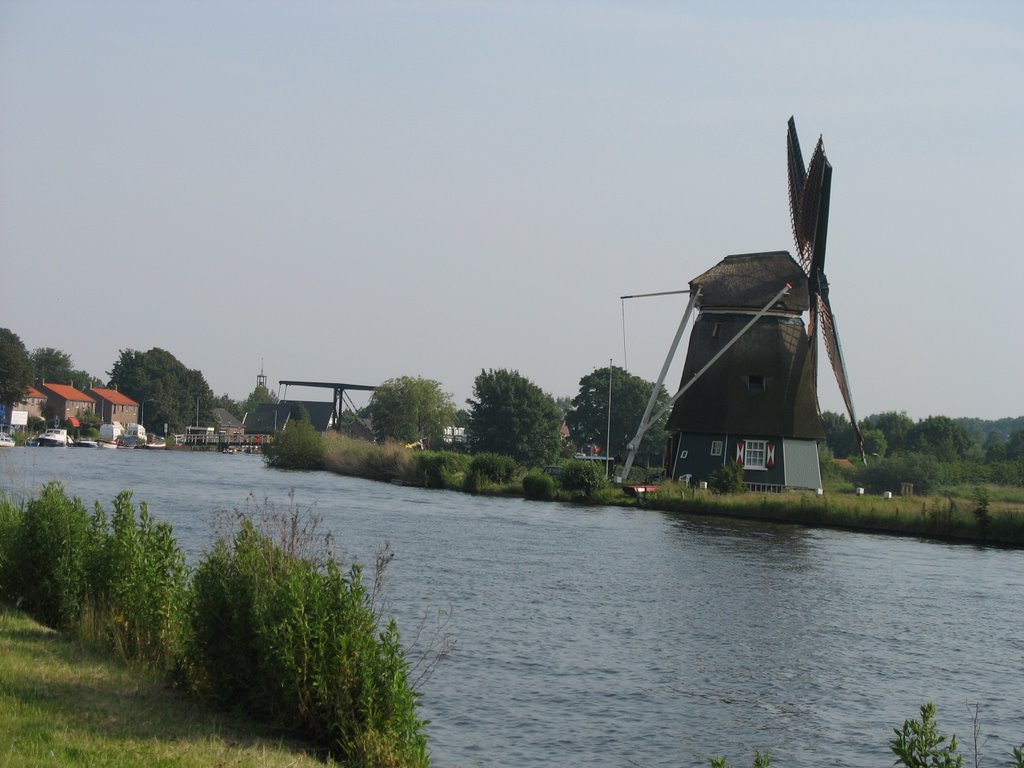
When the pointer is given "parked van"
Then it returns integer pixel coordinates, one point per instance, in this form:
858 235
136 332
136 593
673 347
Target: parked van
137 431
110 432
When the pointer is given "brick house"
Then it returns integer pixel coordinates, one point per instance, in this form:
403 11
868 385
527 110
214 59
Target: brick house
32 403
112 406
65 402
30 406
227 424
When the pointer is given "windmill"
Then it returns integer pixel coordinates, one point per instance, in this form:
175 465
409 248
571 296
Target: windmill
748 391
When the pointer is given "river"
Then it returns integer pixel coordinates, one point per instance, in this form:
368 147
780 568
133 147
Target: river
606 636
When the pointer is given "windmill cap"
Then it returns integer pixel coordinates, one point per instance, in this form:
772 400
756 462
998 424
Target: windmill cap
751 280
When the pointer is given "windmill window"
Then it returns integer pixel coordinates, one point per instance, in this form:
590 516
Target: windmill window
716 331
716 447
755 454
755 383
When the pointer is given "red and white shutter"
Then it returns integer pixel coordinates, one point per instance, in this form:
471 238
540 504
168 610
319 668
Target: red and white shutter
739 451
769 460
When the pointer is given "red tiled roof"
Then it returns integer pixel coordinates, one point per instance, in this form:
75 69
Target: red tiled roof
66 392
112 396
33 392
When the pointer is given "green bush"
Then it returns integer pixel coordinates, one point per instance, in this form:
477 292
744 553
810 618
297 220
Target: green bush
923 470
920 745
11 515
486 469
298 446
495 467
582 479
47 571
137 582
539 486
118 583
441 469
727 478
298 643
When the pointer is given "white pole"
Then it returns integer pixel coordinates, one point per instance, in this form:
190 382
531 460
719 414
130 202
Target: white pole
608 431
634 444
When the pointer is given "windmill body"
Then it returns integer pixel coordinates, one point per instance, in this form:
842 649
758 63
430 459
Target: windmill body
757 402
749 386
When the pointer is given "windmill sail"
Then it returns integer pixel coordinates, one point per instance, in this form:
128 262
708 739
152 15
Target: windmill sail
809 198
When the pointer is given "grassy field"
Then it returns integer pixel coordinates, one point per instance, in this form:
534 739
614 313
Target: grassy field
62 705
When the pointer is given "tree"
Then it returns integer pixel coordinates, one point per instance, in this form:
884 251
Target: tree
175 395
513 416
55 366
943 438
410 408
238 408
15 369
52 365
298 446
839 434
259 396
895 426
587 418
875 443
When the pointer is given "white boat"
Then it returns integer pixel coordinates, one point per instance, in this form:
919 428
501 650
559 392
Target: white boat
85 442
54 438
6 441
106 444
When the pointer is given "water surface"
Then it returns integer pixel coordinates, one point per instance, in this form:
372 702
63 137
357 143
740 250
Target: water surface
622 637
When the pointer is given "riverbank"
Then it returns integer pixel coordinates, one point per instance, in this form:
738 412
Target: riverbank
979 515
948 518
63 705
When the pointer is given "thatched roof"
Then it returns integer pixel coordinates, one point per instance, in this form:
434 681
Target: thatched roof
750 280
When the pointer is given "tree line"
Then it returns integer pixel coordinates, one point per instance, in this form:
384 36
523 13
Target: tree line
933 452
511 415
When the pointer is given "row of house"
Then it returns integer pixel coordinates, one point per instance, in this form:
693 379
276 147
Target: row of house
68 404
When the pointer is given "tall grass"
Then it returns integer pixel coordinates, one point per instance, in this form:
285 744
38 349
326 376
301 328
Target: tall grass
375 461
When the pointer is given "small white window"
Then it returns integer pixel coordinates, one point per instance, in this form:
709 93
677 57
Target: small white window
684 453
755 454
716 447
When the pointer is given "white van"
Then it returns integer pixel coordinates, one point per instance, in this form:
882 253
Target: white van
110 432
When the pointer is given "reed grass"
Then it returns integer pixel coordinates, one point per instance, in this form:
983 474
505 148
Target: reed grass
386 461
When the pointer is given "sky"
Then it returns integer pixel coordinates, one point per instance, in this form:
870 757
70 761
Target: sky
356 191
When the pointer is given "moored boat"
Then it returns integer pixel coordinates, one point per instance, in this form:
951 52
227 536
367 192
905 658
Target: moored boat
6 441
84 442
54 438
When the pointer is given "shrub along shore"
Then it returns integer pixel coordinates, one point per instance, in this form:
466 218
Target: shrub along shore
988 515
268 624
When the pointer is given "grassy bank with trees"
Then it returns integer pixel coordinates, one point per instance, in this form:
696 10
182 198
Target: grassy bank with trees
268 624
982 513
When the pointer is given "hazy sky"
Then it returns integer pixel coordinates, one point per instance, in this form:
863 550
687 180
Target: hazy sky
354 191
